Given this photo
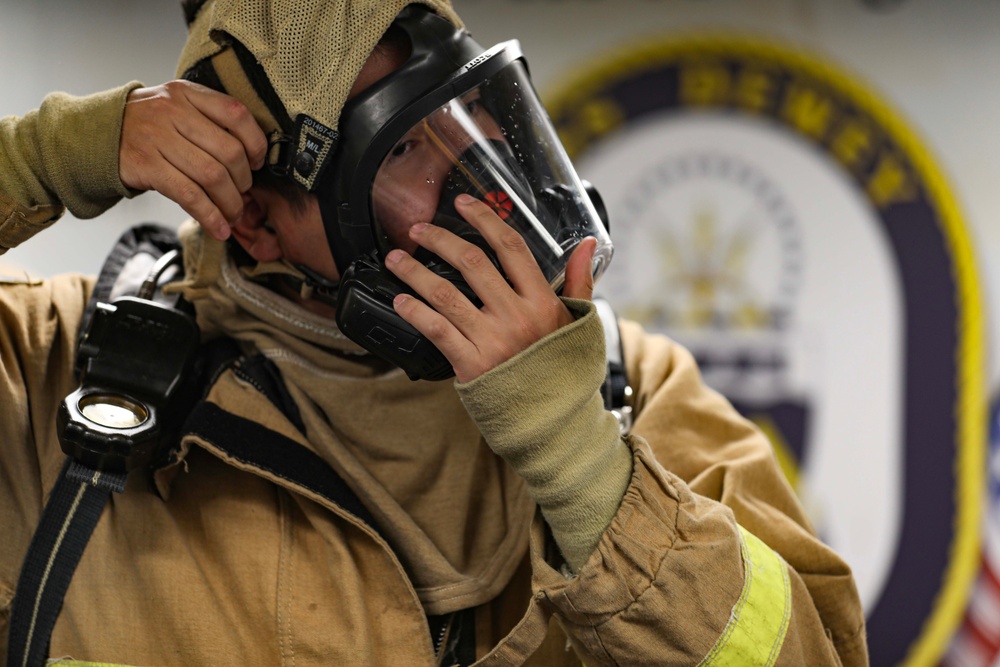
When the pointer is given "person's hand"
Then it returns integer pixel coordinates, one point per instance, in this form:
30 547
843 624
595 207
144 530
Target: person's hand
513 316
195 146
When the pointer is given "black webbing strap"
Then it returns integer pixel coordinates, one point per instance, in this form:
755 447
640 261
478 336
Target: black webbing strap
133 255
616 390
67 522
259 447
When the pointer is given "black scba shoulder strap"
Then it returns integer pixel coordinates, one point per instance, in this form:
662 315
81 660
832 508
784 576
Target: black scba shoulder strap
145 255
616 390
133 357
129 264
67 523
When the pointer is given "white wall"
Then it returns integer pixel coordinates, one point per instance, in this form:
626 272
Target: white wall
80 48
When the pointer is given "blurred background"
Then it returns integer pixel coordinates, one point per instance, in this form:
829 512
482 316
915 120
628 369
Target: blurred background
804 192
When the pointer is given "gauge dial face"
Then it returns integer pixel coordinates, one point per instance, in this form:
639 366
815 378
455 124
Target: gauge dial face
112 411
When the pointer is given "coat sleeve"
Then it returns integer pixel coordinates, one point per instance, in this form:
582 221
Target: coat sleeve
709 559
63 155
38 327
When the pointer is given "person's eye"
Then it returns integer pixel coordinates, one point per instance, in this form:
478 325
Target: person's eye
472 102
402 148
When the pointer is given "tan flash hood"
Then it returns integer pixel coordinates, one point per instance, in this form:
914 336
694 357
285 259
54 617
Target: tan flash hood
309 51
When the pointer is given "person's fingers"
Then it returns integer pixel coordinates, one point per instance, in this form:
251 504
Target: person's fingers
211 175
190 196
180 135
579 271
438 323
514 315
221 146
471 261
229 113
512 251
224 130
442 295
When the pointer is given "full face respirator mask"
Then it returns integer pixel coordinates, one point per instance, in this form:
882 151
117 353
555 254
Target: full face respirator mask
454 118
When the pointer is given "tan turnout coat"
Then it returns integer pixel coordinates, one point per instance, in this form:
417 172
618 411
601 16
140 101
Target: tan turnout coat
215 562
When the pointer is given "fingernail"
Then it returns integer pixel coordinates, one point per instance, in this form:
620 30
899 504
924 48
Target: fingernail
465 199
394 256
218 227
419 227
400 299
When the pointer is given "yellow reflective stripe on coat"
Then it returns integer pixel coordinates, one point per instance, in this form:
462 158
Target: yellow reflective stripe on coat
759 620
80 663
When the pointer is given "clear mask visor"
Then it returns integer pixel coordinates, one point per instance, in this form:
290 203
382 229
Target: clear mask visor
496 143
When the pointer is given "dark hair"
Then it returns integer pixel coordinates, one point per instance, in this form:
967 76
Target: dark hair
191 9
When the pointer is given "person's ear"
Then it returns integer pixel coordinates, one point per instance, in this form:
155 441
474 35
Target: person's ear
253 233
